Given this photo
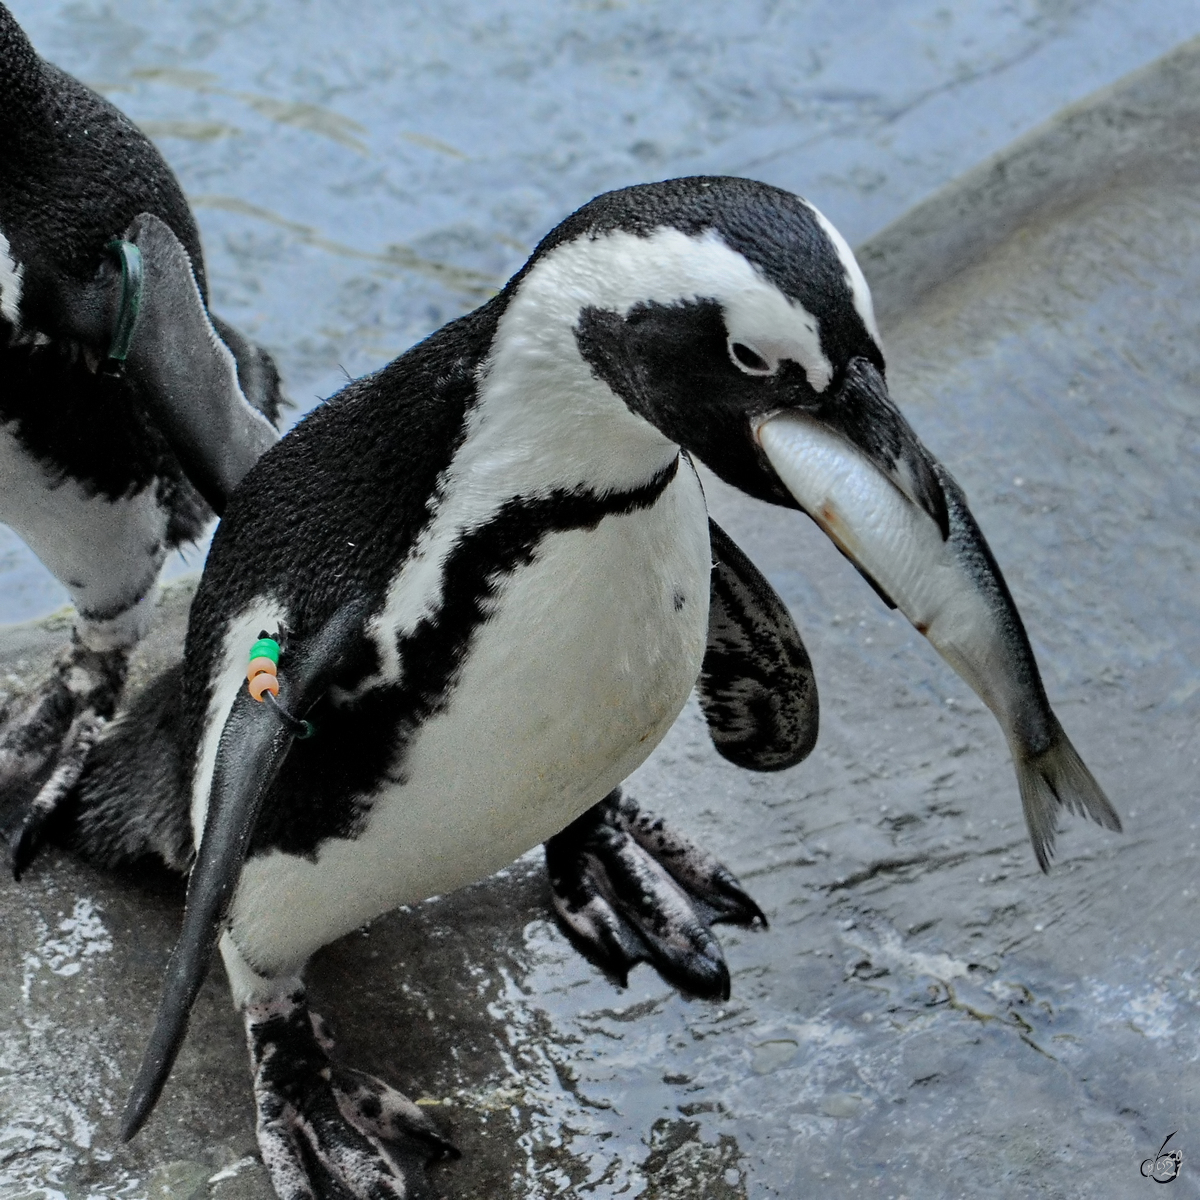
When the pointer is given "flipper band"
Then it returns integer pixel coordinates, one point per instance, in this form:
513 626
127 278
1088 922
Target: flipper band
132 286
299 728
265 647
263 682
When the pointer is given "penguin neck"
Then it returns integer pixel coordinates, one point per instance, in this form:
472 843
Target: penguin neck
21 78
545 420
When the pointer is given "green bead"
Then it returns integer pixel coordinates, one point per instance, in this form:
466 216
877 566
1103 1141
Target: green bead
265 648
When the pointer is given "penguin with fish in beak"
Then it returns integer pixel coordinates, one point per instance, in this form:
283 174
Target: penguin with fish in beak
451 611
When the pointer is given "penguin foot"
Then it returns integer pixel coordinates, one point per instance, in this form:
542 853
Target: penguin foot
628 888
45 743
325 1130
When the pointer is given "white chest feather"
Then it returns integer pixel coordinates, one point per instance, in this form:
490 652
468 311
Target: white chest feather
11 275
106 553
584 664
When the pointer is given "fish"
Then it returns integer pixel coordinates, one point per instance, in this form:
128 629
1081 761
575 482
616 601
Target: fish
941 574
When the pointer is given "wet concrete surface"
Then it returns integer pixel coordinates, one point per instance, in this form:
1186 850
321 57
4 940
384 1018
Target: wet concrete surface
927 1016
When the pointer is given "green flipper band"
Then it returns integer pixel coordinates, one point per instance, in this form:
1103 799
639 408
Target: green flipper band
132 285
266 648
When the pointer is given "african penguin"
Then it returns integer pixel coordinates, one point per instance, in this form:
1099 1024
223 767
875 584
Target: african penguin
104 338
484 581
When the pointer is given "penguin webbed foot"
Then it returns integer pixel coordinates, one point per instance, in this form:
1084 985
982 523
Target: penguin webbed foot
628 888
46 738
325 1130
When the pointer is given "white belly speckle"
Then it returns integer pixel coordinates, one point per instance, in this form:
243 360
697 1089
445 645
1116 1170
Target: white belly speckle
586 662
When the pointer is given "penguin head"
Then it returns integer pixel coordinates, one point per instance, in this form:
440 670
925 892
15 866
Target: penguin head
710 305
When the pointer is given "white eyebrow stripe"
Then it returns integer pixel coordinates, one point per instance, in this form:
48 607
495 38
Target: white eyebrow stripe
619 270
857 281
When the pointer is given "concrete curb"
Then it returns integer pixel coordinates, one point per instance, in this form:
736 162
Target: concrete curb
1150 117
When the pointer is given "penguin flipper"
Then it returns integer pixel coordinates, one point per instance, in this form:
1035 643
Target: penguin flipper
253 746
147 316
756 687
186 375
257 374
629 888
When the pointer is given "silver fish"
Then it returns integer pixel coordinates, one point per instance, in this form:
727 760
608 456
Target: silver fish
948 585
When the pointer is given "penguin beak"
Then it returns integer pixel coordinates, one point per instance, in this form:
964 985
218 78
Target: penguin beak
862 413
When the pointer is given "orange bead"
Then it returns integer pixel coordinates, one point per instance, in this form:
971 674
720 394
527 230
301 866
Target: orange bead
258 665
264 682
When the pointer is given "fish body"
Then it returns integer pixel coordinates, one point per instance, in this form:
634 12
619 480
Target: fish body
951 589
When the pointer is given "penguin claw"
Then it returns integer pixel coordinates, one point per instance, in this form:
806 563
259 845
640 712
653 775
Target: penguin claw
44 745
628 888
324 1130
386 1114
693 867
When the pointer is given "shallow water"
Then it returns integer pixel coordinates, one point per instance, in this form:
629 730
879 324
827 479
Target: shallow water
361 174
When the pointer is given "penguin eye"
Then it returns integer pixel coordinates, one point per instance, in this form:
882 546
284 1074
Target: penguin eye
747 359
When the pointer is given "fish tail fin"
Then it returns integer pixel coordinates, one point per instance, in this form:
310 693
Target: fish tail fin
1057 778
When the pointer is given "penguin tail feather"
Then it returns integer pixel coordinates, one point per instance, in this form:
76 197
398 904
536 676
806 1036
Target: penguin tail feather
1058 778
